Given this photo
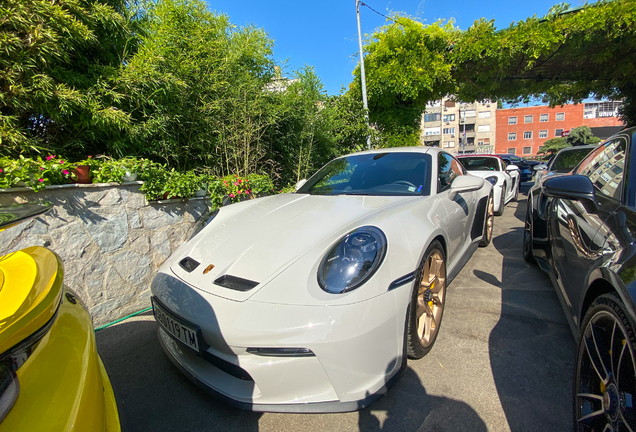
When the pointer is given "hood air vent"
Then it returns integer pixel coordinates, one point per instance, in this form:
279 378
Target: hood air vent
235 283
188 264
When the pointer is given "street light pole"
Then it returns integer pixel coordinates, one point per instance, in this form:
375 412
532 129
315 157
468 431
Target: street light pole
362 75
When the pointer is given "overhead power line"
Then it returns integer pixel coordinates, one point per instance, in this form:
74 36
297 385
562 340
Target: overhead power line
379 13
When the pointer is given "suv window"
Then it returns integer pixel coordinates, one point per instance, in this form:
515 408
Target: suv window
448 168
605 167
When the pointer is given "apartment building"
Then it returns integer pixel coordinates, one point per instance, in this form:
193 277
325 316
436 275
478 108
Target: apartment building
458 127
522 131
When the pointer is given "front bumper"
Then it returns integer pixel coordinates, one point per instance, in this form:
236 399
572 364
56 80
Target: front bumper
359 349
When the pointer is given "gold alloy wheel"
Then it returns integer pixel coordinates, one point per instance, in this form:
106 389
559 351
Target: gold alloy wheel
490 217
430 304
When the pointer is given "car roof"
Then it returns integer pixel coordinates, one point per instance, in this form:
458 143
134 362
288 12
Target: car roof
413 149
567 149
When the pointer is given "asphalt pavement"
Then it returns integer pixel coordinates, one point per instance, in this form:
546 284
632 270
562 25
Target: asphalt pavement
503 361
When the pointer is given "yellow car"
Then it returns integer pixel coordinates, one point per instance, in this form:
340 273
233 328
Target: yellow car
51 377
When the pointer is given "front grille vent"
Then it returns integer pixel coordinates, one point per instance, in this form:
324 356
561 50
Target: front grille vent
188 264
235 283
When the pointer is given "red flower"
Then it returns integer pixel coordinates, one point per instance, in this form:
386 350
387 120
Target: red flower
65 172
90 157
41 180
0 169
61 162
42 168
231 195
239 180
48 158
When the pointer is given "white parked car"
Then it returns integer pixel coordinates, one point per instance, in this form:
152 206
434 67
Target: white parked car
505 179
312 301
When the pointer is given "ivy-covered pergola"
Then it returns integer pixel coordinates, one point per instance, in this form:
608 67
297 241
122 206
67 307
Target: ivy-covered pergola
564 57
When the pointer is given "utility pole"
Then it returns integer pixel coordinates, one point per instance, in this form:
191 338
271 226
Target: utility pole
362 75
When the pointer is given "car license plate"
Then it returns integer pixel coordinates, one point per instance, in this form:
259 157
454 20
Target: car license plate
177 328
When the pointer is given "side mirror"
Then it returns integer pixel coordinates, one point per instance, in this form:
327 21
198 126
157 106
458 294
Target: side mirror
300 183
465 183
540 167
512 168
572 187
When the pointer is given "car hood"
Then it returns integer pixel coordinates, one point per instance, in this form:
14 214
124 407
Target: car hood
257 240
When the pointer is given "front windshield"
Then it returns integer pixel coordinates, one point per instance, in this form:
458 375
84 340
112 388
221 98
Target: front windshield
480 163
566 161
396 174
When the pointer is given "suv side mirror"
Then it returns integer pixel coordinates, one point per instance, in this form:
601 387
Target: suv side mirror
540 167
512 168
572 187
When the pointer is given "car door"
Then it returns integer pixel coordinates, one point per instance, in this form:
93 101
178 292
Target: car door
580 233
512 177
460 209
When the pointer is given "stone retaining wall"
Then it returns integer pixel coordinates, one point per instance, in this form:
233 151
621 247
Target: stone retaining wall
111 239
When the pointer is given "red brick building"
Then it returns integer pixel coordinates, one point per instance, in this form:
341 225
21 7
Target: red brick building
523 131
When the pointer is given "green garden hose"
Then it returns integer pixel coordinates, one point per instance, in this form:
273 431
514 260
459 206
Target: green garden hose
122 319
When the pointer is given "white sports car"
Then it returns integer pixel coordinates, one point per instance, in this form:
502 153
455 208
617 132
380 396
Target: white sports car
311 301
504 179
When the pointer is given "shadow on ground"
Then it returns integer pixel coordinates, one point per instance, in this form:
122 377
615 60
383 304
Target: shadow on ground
531 383
153 395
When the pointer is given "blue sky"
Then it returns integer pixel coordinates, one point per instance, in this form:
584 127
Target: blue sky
324 34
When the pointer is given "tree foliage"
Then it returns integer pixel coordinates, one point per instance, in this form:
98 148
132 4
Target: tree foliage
582 135
56 59
553 145
167 80
561 58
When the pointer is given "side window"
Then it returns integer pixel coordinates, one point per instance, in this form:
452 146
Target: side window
605 167
448 168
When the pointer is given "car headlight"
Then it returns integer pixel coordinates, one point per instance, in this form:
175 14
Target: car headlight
353 260
492 180
203 222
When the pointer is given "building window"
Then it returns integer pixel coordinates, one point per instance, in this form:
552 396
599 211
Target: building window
483 141
543 134
432 117
449 117
448 144
512 136
544 118
527 119
558 133
483 128
512 120
559 116
512 150
484 114
527 150
449 131
470 113
431 131
471 141
527 135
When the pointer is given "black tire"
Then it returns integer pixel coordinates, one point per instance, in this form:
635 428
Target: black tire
489 217
415 348
502 203
605 372
527 234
